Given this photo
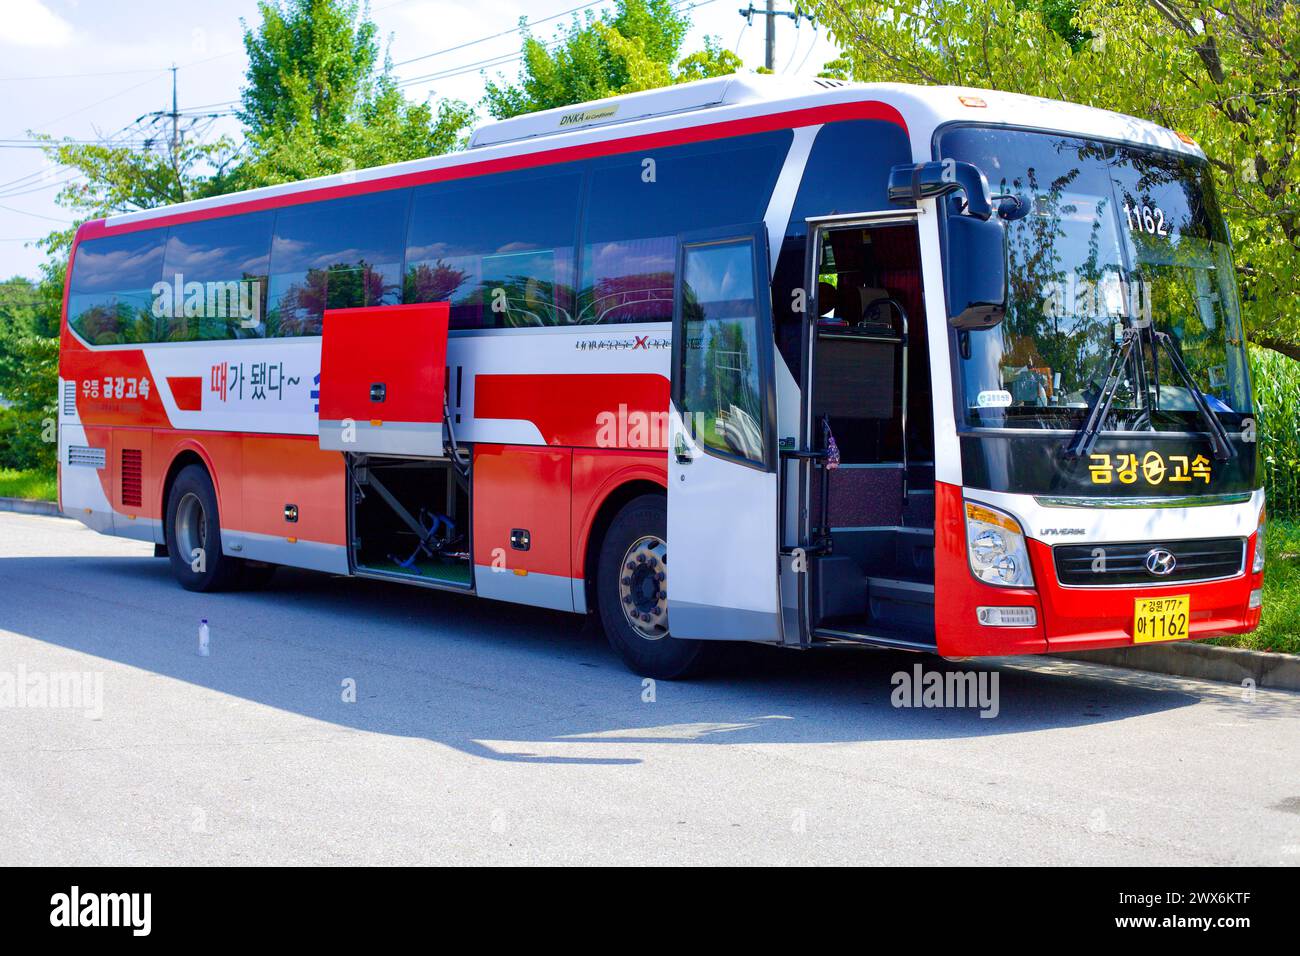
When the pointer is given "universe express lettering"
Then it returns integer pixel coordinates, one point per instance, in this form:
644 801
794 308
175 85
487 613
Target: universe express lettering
1152 468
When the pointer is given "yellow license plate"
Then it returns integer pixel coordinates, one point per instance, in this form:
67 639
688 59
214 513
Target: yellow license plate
1161 619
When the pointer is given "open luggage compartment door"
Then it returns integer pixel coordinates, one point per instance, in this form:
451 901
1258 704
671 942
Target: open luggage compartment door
382 379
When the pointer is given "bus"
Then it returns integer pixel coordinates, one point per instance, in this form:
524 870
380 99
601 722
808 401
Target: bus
929 368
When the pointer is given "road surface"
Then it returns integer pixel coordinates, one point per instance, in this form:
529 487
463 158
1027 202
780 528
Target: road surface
486 733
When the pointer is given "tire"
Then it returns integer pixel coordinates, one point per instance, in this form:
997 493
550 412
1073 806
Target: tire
193 522
633 556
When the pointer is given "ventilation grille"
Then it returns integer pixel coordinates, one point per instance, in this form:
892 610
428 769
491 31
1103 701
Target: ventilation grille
1203 560
84 456
132 478
70 399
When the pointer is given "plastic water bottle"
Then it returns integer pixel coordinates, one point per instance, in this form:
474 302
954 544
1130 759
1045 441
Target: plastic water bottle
203 637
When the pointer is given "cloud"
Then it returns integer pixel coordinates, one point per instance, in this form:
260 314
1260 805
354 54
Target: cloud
30 23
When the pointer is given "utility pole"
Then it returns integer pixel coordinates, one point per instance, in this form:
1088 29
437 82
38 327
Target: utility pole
769 42
771 13
175 115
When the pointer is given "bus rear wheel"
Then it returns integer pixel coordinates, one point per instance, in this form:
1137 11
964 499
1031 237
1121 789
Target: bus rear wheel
193 530
632 593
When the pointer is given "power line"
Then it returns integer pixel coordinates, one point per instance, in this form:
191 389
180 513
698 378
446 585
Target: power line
503 33
32 177
38 189
70 76
90 106
771 13
37 215
505 58
452 71
811 46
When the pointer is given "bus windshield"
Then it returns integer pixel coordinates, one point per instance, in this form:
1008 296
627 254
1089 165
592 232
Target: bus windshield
1117 237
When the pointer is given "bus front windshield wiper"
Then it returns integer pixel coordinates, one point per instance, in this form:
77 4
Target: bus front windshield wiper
1086 437
1223 449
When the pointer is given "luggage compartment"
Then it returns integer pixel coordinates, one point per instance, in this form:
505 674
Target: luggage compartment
410 520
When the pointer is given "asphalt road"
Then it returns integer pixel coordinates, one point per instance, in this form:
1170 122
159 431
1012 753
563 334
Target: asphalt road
486 733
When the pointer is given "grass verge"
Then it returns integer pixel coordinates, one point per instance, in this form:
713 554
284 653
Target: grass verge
28 484
1279 630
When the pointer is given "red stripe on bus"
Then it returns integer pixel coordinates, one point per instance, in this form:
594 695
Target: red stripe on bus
187 392
580 410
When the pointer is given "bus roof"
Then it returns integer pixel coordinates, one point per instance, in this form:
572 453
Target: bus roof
921 109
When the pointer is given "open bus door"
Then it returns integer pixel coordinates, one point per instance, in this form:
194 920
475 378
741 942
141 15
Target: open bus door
722 479
382 379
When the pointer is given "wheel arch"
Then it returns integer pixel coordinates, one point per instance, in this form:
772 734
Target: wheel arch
183 457
610 505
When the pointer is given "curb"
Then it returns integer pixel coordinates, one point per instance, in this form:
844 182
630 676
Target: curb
1231 665
29 506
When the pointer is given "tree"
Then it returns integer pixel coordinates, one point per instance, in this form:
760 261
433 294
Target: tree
1227 74
116 179
635 46
318 102
28 372
309 62
18 300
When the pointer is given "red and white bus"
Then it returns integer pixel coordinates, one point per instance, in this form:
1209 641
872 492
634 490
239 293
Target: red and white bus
929 368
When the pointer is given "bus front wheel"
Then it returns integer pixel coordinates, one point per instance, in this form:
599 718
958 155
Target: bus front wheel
632 593
193 530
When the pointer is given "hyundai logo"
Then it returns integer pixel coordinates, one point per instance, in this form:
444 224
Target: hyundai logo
1160 562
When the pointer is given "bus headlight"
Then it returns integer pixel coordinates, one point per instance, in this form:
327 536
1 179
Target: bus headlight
995 543
1258 564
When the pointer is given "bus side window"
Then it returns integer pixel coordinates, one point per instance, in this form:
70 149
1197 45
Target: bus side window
638 203
111 296
345 253
721 394
498 248
228 258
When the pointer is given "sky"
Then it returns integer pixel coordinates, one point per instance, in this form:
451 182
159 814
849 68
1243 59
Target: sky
85 69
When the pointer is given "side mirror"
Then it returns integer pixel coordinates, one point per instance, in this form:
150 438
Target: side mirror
975 256
975 271
910 184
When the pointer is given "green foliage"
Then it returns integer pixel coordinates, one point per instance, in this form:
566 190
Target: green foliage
1279 626
29 373
116 179
1276 381
309 62
1059 16
635 46
18 302
29 327
1227 76
33 484
318 102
